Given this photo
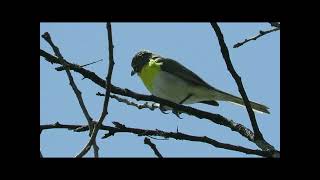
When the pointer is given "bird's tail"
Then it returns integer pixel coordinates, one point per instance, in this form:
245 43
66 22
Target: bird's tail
223 96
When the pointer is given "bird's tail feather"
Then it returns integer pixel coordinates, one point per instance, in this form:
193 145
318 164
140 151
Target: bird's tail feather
223 96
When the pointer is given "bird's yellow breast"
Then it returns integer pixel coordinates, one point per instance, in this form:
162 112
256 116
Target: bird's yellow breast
149 72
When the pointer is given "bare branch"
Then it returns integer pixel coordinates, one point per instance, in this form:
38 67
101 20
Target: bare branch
153 147
61 68
56 50
275 24
261 33
216 118
61 60
258 137
95 149
120 128
146 105
237 78
107 97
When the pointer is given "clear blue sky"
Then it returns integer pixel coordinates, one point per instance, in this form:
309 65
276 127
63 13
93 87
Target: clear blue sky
193 44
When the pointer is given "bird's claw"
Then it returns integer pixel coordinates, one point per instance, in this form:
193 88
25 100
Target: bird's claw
163 110
177 113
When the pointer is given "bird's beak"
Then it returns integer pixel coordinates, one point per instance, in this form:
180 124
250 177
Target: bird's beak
133 72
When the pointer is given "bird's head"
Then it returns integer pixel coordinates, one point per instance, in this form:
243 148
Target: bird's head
139 60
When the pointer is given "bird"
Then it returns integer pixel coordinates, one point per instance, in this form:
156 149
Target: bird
168 79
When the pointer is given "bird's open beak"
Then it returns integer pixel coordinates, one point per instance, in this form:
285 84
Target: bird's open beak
133 72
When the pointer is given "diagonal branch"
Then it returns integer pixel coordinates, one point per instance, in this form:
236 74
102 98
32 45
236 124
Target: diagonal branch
153 147
107 97
261 33
56 50
120 128
258 137
61 60
237 78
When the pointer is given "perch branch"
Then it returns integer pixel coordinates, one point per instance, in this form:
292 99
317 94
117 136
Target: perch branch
216 118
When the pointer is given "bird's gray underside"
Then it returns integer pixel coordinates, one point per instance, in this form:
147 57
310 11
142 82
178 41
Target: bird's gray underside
173 88
177 82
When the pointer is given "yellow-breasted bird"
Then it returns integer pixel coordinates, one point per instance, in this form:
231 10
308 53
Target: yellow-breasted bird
170 80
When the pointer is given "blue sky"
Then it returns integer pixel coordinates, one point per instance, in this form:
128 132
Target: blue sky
194 45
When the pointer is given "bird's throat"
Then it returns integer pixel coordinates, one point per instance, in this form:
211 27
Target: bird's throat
149 72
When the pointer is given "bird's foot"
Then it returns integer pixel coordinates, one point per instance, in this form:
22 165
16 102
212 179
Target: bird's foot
177 113
162 109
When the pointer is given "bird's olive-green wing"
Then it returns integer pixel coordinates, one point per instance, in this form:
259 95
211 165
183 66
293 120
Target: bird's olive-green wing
177 69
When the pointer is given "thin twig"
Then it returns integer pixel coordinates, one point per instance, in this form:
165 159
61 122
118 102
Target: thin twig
153 147
258 137
61 68
60 58
107 97
120 128
261 33
275 24
56 50
146 105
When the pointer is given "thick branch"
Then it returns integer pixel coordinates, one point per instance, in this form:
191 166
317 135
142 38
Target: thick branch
261 33
120 128
107 97
153 147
